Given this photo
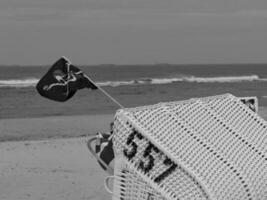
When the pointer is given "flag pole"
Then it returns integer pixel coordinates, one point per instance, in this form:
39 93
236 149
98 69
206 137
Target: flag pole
105 93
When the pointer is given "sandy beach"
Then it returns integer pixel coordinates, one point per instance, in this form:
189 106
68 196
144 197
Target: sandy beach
52 167
137 53
47 166
60 169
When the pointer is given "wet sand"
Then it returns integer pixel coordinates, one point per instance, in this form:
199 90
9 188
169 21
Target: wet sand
53 127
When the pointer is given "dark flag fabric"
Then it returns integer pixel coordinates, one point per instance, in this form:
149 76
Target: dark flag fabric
101 146
104 149
62 81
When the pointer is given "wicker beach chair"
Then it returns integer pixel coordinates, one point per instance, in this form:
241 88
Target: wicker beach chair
98 142
212 148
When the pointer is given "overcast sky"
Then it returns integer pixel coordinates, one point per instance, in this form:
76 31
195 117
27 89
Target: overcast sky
133 31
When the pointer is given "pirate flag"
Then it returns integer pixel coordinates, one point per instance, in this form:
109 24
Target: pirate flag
62 81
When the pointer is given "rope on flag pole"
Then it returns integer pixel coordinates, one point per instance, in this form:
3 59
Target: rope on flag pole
105 93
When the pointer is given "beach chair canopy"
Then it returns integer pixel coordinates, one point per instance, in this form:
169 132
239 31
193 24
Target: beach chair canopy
204 148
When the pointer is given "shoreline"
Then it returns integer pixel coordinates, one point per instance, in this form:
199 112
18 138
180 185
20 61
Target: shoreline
69 126
22 129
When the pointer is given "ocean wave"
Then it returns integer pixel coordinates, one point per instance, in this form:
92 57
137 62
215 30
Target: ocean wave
226 79
31 82
191 79
18 83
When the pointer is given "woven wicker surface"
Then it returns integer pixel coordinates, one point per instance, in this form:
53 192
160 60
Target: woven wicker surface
204 148
129 185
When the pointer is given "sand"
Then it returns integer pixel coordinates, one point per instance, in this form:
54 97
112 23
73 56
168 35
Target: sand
58 169
49 168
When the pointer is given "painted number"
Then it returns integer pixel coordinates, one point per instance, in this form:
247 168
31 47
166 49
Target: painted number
131 152
147 163
167 162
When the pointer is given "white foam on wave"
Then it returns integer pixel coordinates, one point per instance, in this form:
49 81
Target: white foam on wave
115 83
224 79
18 83
165 80
220 79
31 82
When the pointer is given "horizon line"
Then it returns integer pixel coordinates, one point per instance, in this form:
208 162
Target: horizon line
155 64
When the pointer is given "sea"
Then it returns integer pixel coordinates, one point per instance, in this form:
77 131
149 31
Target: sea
130 85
